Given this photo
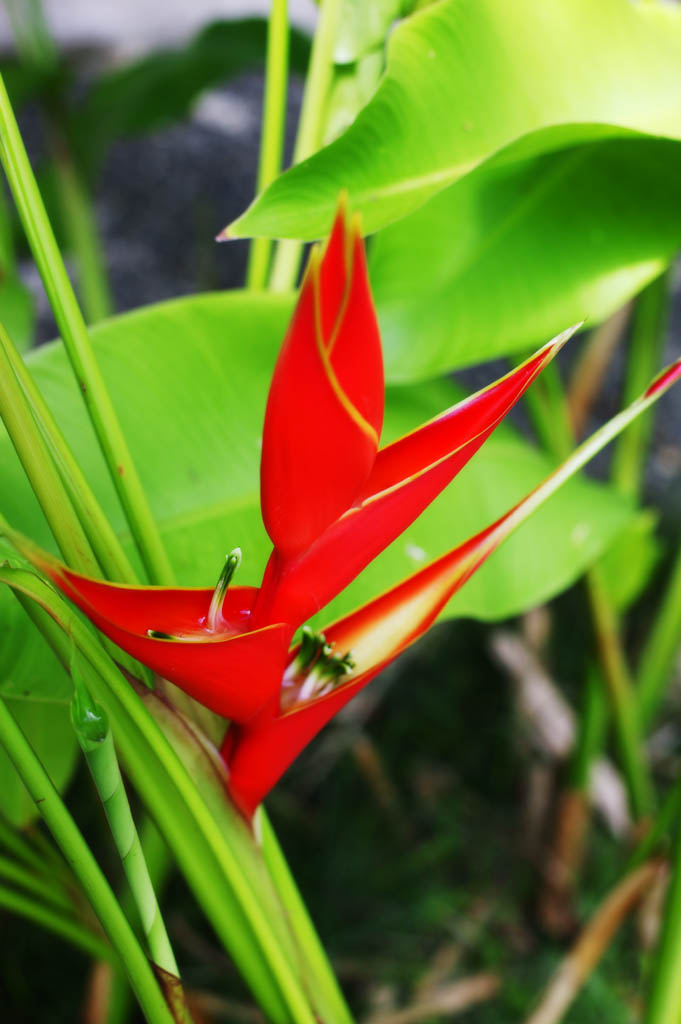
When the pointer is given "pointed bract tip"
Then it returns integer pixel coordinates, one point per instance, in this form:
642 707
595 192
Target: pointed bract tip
224 236
664 380
556 344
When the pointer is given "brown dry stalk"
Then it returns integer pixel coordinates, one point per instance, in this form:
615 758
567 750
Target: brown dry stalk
455 997
555 908
587 376
592 943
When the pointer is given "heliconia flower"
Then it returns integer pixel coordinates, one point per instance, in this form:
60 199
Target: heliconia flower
318 684
331 500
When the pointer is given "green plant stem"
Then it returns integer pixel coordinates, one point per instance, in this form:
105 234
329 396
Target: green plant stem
83 237
273 128
661 648
104 542
40 470
96 741
78 346
160 864
643 358
591 730
665 819
85 867
66 928
548 410
622 695
300 919
288 254
664 1005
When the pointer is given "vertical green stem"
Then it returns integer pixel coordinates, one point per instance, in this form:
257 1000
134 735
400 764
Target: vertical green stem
300 921
40 470
591 730
83 236
273 129
94 735
664 1006
622 695
84 865
644 357
549 412
661 647
310 129
101 536
77 343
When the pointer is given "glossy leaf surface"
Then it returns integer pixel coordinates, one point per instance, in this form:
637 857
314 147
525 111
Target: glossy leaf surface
467 79
508 256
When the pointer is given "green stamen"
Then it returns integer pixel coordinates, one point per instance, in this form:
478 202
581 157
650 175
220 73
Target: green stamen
232 563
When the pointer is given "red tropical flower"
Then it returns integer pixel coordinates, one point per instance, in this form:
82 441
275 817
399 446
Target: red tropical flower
331 501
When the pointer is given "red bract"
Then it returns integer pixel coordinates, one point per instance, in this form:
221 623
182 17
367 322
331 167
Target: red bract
331 501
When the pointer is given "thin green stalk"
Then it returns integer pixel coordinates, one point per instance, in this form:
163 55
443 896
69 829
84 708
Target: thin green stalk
91 725
664 1005
624 705
300 921
40 470
46 917
549 412
104 542
35 884
83 237
661 648
273 129
85 867
160 863
662 825
591 730
643 358
78 346
289 253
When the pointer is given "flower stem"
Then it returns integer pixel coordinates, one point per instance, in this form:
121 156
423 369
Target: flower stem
84 865
94 736
273 126
78 346
288 254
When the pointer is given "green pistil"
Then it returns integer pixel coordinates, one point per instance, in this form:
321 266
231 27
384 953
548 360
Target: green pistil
312 646
232 563
328 671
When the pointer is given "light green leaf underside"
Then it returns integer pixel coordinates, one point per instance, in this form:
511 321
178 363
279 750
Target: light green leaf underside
468 79
505 258
189 379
